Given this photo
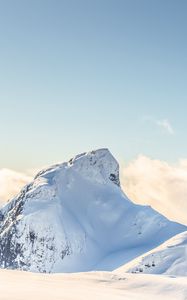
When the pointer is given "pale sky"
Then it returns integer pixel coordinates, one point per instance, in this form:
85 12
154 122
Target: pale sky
77 75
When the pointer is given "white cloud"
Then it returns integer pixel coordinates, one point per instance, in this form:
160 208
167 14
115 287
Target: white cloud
159 184
10 183
166 125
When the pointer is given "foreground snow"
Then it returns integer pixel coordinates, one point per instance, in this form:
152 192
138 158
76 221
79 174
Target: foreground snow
19 285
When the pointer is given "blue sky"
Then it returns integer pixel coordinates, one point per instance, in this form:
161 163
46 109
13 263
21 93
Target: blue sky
82 74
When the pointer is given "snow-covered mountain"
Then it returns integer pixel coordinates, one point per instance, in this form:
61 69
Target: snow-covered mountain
170 258
75 217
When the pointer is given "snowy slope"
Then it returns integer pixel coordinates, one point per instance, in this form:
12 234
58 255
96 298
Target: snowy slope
16 285
170 258
75 217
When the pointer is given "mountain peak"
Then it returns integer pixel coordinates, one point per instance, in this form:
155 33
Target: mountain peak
98 165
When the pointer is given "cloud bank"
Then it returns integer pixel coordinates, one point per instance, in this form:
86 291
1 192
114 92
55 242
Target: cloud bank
159 184
10 184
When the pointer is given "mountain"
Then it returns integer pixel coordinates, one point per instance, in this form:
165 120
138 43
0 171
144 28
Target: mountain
74 217
170 258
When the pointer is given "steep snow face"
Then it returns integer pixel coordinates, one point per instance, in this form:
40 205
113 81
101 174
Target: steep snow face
74 215
170 258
